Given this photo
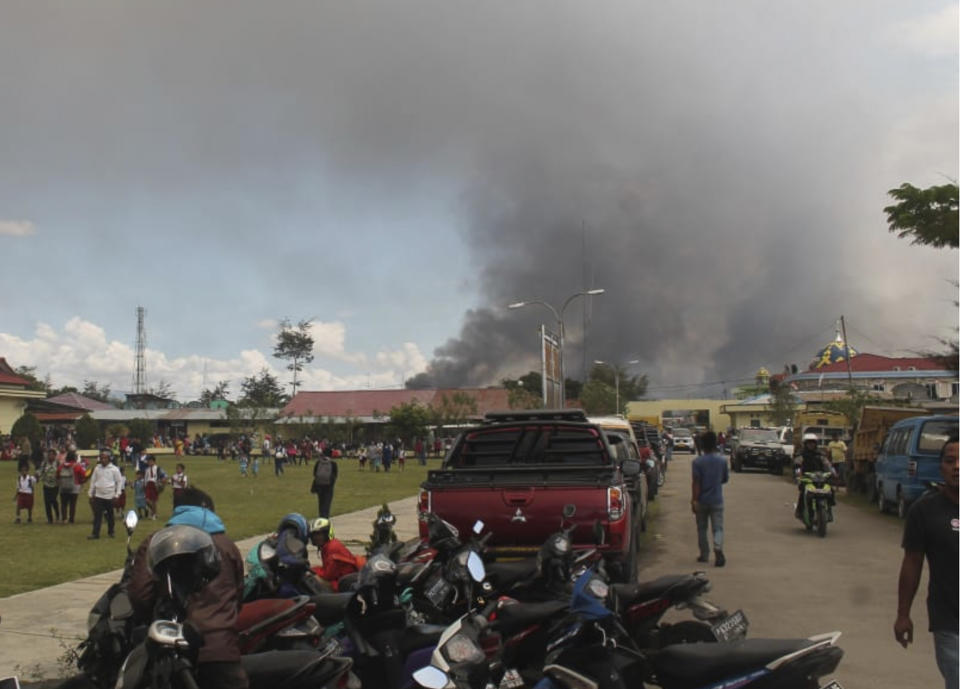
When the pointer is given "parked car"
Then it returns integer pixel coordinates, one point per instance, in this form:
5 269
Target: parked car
683 440
518 468
758 447
909 460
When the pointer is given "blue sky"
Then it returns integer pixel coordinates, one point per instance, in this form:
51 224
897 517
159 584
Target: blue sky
383 169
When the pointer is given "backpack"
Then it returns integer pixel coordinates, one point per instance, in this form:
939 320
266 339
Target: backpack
322 473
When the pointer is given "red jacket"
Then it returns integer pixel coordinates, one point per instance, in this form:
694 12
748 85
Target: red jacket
337 562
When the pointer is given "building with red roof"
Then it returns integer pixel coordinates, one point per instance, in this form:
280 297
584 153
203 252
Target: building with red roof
15 394
371 406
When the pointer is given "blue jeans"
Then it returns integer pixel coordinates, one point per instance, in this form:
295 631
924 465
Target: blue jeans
713 513
945 645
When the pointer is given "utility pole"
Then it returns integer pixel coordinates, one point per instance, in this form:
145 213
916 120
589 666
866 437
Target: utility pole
846 351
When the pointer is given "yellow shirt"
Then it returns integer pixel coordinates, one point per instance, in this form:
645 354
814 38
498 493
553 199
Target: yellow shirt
838 451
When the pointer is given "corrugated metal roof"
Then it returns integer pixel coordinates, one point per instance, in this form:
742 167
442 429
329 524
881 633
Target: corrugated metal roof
364 403
78 401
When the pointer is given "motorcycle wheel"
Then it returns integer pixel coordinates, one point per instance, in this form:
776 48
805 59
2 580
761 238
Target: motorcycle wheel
686 632
821 520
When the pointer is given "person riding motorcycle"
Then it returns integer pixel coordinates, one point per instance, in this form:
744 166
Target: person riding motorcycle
213 609
810 460
338 561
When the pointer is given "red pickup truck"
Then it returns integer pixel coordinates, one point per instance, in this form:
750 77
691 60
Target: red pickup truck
516 471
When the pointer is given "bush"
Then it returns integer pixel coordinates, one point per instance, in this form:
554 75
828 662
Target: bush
27 426
88 433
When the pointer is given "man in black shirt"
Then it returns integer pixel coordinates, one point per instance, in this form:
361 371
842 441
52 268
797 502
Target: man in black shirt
931 530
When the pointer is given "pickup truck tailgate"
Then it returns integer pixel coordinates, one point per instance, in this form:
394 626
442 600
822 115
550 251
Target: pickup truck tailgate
521 508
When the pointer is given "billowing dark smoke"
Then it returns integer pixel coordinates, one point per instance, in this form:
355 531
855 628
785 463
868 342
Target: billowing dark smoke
718 179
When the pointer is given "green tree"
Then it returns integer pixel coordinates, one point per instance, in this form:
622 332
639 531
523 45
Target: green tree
96 392
262 390
927 216
87 432
631 387
162 389
452 410
409 419
598 398
783 404
142 430
30 373
294 344
116 430
219 392
27 426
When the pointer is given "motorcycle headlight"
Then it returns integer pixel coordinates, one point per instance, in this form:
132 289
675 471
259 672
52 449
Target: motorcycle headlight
460 648
92 620
598 587
561 545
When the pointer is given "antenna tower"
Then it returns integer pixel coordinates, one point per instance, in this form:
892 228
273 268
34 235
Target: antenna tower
140 363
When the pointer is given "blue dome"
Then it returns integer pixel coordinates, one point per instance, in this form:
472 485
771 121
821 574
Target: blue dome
832 353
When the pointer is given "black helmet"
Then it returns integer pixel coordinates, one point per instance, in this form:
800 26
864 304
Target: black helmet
185 554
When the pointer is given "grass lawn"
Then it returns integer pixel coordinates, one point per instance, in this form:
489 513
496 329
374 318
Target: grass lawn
41 555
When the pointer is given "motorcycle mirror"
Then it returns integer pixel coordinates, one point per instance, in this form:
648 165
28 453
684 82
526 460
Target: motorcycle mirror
478 527
431 677
630 467
569 510
475 567
131 521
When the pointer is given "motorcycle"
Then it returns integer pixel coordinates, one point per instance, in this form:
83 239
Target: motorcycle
167 656
816 504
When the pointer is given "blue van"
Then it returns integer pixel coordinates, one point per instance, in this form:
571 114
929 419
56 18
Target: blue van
909 460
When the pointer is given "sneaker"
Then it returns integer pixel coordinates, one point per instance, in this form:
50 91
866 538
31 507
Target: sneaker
91 537
720 560
703 558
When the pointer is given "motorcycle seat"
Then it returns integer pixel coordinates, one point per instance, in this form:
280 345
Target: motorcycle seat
514 617
331 607
266 611
692 665
628 594
506 574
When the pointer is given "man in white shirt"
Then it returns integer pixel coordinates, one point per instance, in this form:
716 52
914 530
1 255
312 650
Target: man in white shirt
105 485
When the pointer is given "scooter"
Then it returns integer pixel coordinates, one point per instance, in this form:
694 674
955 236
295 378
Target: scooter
816 506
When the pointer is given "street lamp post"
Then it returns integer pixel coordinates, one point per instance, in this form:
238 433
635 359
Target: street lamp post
558 315
616 375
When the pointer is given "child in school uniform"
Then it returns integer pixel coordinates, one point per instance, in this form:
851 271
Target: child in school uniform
24 496
140 496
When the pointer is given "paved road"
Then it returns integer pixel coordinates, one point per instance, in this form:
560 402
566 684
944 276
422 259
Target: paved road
791 583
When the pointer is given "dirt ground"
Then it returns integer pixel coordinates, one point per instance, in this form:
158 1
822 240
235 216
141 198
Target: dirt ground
791 583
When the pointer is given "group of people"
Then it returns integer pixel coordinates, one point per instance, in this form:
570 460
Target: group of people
63 475
930 532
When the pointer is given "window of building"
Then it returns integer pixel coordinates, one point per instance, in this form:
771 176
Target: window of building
879 387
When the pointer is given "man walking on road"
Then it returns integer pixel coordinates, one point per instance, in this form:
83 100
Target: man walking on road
710 472
105 486
931 530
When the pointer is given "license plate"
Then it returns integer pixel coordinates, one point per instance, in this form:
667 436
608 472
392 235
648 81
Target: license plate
833 685
733 627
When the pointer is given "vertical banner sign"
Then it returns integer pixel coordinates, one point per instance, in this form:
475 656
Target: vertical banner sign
550 368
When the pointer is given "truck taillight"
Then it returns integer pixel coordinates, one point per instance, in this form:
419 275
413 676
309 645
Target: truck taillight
614 503
423 505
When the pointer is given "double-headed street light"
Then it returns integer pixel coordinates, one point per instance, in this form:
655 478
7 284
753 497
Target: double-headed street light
616 375
558 315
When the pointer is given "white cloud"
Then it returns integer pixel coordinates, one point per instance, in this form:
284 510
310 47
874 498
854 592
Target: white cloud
933 34
17 228
268 324
81 350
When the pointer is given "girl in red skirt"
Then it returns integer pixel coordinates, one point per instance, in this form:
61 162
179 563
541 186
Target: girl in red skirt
24 497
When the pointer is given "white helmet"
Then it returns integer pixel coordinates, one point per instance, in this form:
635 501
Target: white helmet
811 436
